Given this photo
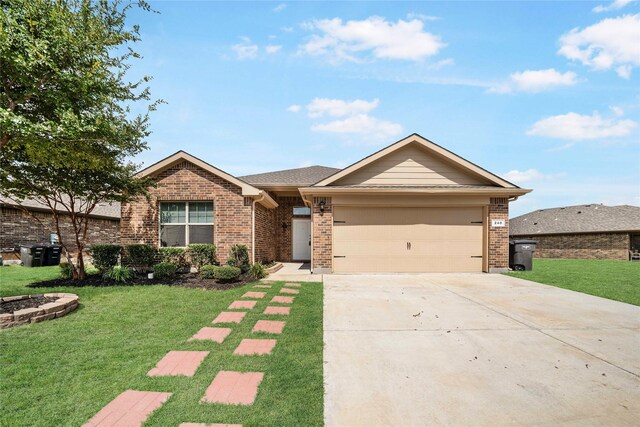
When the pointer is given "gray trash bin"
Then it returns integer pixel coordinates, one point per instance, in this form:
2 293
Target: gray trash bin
52 255
521 254
32 255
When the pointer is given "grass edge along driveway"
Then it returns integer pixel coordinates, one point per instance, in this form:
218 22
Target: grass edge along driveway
62 372
616 280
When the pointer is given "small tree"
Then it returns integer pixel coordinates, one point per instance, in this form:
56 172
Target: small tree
66 125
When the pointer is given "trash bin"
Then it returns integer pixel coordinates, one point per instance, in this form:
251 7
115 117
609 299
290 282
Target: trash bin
52 255
32 255
521 254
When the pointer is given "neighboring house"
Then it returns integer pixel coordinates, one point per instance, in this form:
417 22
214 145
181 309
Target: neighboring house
19 227
585 231
411 207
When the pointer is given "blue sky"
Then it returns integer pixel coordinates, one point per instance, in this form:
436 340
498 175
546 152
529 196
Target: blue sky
545 94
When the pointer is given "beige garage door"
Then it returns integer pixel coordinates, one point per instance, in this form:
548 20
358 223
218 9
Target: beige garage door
377 239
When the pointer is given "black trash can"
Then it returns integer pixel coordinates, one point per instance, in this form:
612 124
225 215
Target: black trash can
52 255
521 254
32 255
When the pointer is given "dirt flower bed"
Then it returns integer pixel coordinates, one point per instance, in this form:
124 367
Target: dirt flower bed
22 309
188 280
31 301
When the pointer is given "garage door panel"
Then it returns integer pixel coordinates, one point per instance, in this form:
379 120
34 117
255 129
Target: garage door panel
376 239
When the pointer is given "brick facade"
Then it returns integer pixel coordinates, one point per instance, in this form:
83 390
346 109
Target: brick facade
187 182
18 228
498 236
582 246
266 245
322 227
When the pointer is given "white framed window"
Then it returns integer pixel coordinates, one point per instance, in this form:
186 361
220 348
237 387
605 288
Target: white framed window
182 223
301 211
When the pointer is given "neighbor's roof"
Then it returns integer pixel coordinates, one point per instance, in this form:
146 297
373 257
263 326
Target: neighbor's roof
102 210
294 177
577 219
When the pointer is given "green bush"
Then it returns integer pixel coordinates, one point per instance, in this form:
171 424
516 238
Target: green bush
202 254
140 256
105 256
208 271
226 273
175 256
258 271
239 257
66 270
164 270
119 273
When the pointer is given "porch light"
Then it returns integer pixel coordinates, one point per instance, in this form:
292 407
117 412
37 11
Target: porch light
321 204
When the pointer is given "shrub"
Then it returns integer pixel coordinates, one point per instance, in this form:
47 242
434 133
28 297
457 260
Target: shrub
66 270
226 273
258 271
208 271
119 273
175 256
202 254
105 256
239 257
164 270
140 256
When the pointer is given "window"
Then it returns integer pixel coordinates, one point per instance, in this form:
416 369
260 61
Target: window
301 211
182 223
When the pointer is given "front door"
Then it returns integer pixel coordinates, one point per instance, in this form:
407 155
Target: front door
301 239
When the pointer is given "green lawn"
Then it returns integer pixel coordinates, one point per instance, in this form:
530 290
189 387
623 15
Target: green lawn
62 372
616 280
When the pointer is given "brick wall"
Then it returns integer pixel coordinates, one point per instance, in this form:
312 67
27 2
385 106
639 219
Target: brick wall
284 236
187 182
582 246
18 227
498 236
322 226
266 245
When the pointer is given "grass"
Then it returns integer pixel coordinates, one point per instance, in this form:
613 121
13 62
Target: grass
616 280
62 372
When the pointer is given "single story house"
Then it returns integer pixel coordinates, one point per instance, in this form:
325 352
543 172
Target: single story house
411 207
31 222
592 231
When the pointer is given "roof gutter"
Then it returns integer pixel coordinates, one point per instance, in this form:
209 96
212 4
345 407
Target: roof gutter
498 192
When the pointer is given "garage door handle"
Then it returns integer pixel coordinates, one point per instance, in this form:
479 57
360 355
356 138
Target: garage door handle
476 256
408 246
476 222
339 256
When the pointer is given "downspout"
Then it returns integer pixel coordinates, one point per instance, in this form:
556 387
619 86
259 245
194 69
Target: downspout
253 226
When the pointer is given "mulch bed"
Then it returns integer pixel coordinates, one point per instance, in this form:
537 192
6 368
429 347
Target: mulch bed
33 302
187 280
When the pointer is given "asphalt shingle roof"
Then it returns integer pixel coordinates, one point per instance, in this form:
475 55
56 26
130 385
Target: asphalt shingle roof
577 219
300 176
103 210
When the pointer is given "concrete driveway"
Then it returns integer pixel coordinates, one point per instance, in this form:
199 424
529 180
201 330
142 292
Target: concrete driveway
476 349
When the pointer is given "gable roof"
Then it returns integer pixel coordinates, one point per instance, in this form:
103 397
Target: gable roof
248 190
427 145
102 210
293 177
577 219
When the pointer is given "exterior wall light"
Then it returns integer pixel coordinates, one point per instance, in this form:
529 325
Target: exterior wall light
321 204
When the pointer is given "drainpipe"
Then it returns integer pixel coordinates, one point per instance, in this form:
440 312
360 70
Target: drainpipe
253 226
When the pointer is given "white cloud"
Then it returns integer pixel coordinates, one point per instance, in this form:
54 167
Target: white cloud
294 108
618 111
615 5
287 29
442 63
246 49
422 17
339 107
534 81
362 125
612 42
280 7
576 127
273 48
374 36
518 177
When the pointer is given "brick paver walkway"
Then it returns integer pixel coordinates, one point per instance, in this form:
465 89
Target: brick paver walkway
208 425
277 310
269 326
249 347
282 300
131 408
230 317
213 334
289 291
292 285
263 286
179 363
252 294
236 305
233 388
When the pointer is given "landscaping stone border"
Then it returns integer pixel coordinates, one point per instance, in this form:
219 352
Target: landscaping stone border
64 305
274 268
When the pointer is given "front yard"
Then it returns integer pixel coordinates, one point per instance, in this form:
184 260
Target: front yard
62 372
616 280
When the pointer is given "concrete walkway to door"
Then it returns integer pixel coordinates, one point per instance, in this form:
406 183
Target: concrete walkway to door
476 349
